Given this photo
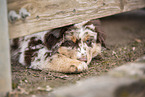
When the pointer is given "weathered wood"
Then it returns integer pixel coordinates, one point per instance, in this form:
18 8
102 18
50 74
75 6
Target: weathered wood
48 14
5 76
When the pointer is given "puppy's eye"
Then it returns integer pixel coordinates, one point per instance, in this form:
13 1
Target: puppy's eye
88 42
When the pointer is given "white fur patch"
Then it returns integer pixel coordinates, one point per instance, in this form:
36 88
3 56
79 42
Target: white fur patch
42 63
24 45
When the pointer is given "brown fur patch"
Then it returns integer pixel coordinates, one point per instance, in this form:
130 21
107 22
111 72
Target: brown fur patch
15 44
33 42
30 54
50 38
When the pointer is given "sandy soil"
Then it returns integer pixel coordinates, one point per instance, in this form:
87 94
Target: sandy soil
125 38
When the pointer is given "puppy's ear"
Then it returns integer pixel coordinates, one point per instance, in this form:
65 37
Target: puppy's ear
54 36
100 33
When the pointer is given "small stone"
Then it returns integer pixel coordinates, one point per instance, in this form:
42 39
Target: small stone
47 88
26 81
133 48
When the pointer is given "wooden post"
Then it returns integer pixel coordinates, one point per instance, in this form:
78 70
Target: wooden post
49 14
5 75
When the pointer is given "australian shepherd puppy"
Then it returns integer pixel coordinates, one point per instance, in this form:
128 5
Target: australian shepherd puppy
68 49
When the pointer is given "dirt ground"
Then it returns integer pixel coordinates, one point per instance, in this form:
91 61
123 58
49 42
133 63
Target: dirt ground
125 38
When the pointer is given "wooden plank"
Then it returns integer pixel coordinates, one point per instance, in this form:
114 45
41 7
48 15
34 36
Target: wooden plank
5 75
48 14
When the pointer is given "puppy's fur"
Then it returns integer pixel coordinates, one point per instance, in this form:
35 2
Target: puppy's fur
67 49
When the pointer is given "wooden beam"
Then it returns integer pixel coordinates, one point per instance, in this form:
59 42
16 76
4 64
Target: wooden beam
48 14
5 75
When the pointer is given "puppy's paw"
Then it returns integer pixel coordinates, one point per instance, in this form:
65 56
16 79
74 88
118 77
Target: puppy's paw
67 65
77 67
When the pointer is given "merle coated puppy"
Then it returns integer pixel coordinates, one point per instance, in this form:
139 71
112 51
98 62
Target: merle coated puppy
68 49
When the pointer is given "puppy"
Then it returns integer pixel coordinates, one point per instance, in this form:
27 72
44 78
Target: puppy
68 49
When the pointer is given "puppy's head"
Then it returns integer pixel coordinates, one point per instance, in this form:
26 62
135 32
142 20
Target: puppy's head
83 41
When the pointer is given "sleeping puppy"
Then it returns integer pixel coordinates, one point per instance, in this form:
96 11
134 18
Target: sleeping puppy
68 49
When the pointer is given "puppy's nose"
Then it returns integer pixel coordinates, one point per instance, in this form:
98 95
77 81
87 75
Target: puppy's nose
83 59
